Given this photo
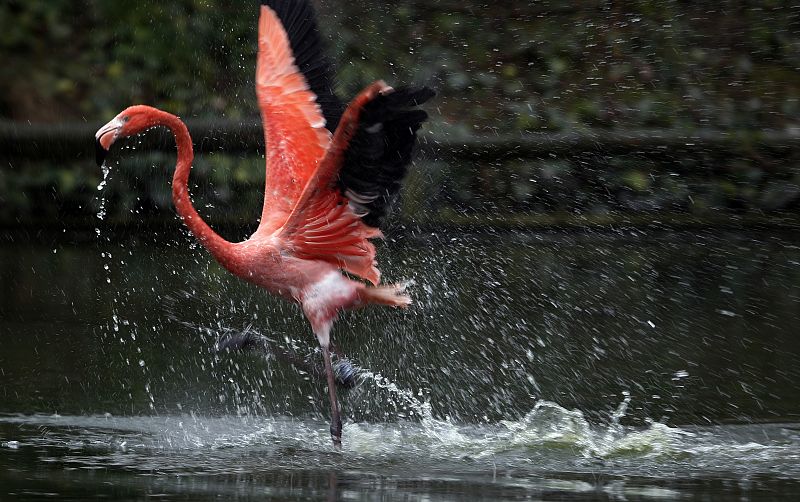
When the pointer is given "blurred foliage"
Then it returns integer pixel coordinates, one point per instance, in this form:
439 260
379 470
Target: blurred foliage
506 66
500 67
65 59
595 186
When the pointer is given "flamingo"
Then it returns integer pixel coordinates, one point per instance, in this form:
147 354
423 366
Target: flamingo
331 172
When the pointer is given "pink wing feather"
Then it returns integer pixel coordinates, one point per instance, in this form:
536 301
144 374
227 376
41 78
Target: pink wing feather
305 209
302 206
294 126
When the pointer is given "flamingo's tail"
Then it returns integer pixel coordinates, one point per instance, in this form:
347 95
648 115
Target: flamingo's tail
393 295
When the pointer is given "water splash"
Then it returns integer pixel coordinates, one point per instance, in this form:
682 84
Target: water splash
106 170
101 213
117 321
443 431
420 408
549 438
403 454
549 425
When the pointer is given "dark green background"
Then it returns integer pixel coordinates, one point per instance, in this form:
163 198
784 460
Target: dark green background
503 70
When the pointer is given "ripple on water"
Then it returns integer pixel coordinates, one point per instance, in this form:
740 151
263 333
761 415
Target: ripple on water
549 439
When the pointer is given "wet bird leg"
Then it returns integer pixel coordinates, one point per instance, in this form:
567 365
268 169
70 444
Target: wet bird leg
336 421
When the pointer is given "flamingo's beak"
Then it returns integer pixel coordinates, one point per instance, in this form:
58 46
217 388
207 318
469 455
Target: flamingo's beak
104 137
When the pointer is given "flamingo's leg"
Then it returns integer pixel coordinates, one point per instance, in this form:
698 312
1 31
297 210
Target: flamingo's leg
317 307
336 420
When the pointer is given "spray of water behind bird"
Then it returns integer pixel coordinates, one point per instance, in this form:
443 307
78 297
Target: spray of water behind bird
331 172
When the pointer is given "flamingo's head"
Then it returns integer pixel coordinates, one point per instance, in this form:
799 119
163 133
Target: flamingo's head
129 122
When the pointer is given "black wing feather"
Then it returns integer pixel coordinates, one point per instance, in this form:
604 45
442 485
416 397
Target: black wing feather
378 155
299 21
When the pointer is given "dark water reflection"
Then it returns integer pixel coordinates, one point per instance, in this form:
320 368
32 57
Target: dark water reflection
688 330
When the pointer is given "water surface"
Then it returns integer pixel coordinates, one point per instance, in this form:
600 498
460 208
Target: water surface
632 366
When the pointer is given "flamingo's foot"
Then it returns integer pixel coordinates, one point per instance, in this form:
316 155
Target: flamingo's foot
240 341
346 373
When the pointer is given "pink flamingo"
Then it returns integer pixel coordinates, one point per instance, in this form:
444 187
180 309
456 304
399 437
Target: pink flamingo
327 186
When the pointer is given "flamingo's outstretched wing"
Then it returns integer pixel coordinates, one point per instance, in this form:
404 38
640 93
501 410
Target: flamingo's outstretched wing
298 107
346 197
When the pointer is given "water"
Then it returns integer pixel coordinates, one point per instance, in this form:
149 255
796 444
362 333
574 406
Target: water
101 212
551 452
632 366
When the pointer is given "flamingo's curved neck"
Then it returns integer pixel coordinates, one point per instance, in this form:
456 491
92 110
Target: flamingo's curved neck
180 191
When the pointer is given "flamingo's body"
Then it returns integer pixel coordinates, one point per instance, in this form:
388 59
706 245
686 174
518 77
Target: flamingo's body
326 187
